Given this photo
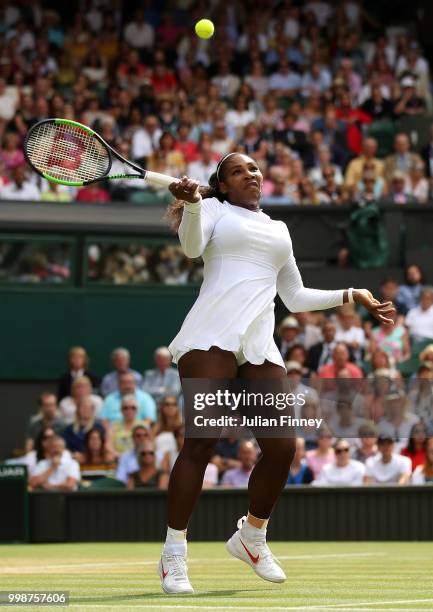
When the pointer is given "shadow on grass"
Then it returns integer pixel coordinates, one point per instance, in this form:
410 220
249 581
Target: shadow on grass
159 595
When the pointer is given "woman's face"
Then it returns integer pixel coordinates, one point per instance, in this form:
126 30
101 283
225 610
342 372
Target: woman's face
241 180
95 441
413 275
77 360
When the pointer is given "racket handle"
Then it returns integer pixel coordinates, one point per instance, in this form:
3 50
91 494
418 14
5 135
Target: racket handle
159 180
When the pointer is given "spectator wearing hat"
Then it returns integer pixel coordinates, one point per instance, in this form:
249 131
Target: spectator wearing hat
419 320
340 361
78 362
387 467
356 166
415 448
409 103
367 434
398 193
299 472
423 474
162 379
121 360
397 421
344 471
287 334
402 159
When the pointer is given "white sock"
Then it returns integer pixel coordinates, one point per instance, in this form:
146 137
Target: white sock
175 542
251 532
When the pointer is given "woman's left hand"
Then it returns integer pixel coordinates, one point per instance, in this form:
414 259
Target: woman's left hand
382 312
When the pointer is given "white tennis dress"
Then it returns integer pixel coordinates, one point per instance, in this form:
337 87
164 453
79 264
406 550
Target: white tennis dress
248 257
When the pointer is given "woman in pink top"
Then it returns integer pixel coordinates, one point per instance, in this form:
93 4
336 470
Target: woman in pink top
323 454
11 153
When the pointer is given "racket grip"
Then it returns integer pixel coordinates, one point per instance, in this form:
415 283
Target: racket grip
159 180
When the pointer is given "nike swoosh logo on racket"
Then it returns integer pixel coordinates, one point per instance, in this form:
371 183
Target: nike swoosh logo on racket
254 559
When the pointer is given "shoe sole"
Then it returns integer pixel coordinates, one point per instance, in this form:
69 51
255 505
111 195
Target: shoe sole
158 571
235 554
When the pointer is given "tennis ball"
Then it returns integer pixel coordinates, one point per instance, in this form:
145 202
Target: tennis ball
204 28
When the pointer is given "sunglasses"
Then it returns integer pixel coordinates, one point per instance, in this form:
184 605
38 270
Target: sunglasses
47 437
144 453
129 407
142 434
170 404
338 451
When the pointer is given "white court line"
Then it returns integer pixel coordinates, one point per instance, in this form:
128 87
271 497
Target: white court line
378 603
34 568
345 606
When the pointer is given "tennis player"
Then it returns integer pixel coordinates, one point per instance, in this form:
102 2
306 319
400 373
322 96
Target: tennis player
228 333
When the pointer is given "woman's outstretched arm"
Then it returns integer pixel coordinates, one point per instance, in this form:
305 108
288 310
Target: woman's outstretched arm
298 298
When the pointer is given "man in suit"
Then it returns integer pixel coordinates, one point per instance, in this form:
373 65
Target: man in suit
402 160
321 353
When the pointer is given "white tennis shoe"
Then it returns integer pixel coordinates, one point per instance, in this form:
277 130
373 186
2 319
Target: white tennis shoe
255 552
173 571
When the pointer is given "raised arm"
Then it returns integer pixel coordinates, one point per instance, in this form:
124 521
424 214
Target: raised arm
198 219
298 298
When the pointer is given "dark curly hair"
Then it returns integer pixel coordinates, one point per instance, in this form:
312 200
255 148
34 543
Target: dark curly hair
212 190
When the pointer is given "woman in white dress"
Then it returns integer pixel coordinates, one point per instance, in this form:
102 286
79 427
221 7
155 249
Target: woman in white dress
228 333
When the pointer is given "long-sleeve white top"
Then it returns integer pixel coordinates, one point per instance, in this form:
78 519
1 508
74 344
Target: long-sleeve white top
248 258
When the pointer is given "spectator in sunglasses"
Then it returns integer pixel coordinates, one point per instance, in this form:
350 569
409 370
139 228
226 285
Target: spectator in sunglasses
120 432
148 474
344 471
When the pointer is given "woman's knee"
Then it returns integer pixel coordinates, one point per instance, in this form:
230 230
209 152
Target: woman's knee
279 451
199 450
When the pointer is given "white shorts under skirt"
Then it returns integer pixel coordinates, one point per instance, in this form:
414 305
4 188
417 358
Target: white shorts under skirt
240 357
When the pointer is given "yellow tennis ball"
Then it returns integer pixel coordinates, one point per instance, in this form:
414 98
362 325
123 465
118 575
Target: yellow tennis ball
204 28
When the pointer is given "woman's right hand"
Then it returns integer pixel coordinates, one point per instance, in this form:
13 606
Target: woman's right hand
186 189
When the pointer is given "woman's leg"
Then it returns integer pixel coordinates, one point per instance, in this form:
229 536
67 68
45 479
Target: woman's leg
270 473
265 485
186 478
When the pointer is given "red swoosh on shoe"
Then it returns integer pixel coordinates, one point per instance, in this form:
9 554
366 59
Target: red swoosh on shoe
254 559
164 573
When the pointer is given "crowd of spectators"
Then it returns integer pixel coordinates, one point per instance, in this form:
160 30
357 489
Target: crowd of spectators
317 92
377 422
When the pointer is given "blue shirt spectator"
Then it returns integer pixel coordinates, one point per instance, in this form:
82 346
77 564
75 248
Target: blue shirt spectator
163 379
121 360
112 407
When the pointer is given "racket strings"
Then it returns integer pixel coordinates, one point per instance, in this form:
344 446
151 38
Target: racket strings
67 153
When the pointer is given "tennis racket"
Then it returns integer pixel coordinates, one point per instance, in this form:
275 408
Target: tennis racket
70 153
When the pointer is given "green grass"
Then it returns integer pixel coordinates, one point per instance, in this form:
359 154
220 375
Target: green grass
322 576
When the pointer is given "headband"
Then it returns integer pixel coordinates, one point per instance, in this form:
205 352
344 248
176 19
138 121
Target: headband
221 161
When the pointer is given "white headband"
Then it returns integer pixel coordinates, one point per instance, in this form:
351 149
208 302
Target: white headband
221 161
